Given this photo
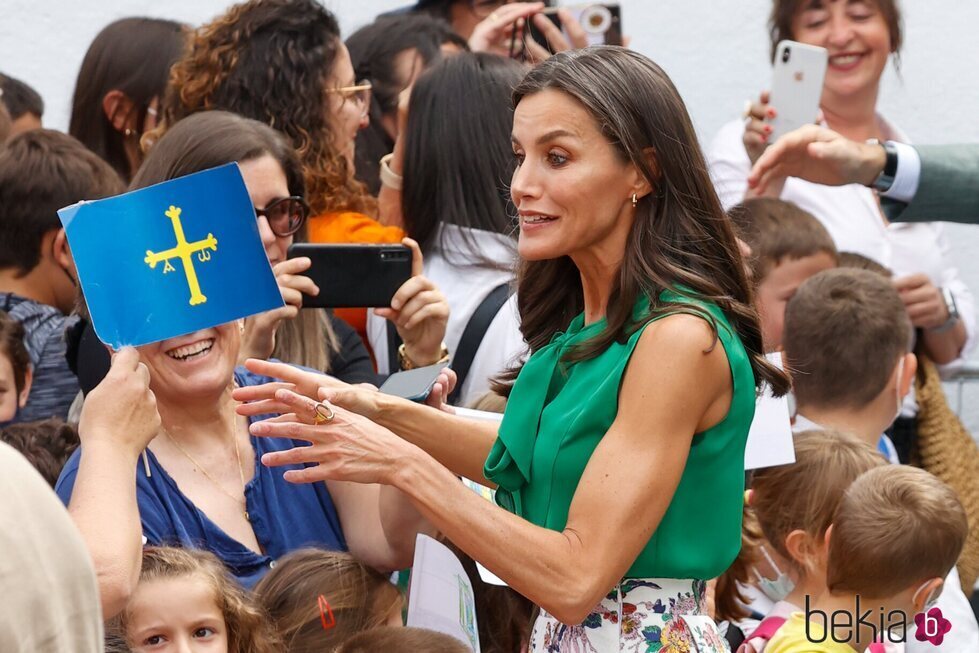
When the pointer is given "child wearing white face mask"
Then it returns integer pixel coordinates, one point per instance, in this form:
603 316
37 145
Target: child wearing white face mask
790 507
896 534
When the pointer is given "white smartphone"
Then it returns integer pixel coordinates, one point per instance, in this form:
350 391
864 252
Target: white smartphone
797 84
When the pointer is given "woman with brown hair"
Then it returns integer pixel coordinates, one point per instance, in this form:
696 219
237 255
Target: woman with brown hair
620 459
860 38
282 62
120 85
199 484
318 599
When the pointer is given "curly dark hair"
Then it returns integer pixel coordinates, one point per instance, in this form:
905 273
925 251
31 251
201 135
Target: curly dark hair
269 60
47 444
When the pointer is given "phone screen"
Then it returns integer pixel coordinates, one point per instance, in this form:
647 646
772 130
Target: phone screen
413 384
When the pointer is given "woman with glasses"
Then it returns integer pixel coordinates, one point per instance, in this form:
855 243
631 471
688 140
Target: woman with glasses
199 484
282 62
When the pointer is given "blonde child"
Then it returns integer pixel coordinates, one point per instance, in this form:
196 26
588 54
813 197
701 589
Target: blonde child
788 245
790 509
318 599
186 601
897 533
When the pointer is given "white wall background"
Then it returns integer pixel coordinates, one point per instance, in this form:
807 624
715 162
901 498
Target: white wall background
715 51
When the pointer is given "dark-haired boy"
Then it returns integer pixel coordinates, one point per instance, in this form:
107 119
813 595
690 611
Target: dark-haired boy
42 171
23 103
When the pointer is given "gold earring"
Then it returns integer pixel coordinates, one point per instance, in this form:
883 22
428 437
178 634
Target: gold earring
635 201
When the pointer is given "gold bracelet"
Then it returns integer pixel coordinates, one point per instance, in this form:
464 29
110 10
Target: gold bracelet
405 363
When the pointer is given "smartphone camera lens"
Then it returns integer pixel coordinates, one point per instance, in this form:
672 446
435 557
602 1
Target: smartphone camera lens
786 54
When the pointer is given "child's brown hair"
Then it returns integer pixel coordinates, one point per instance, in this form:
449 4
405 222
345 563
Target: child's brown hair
416 640
248 629
845 330
777 230
894 527
358 598
801 496
47 444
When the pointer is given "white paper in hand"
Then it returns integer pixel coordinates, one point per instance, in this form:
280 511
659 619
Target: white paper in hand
770 437
440 596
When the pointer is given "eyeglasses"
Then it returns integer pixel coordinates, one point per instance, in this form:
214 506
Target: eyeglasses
360 93
286 216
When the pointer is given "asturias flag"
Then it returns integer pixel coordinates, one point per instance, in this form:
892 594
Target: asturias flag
170 259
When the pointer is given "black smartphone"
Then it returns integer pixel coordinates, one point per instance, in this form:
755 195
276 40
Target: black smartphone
413 384
602 22
354 276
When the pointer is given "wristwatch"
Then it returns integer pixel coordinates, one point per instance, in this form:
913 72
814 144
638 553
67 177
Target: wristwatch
953 312
405 363
885 179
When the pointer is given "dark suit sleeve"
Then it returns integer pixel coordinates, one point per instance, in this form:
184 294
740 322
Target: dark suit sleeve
948 189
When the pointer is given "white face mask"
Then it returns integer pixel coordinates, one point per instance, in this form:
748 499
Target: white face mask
897 388
776 589
900 631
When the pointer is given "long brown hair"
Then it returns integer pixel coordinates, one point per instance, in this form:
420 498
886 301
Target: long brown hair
248 629
681 236
269 60
132 55
360 598
213 138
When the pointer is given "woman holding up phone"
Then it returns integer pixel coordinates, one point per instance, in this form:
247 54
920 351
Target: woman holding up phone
860 37
619 461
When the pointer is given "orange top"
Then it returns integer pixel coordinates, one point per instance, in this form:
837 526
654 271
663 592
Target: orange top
352 227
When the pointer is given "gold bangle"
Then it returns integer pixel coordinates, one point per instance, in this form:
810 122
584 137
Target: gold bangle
405 363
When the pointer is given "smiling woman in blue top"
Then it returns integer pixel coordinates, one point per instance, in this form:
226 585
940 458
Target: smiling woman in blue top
200 483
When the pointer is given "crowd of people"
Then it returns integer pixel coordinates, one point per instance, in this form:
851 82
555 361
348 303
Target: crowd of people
621 295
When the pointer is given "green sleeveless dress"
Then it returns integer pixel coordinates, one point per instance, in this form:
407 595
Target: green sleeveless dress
558 413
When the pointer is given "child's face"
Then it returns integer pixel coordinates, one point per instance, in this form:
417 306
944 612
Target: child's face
176 615
778 287
8 390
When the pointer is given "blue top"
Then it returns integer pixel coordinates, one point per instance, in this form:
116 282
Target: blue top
285 516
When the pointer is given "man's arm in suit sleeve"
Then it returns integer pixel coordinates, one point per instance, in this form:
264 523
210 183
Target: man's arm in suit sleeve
948 189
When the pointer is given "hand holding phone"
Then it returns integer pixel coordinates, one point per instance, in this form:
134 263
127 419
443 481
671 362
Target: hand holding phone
414 385
353 276
797 85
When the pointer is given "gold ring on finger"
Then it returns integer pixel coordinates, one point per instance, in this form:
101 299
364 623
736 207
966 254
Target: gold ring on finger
323 414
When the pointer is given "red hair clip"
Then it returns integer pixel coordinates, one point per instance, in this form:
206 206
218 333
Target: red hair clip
326 614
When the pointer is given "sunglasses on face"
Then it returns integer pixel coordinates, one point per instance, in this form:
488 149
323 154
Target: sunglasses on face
286 216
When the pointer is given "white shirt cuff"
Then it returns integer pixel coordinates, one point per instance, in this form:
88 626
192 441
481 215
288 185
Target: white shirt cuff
907 176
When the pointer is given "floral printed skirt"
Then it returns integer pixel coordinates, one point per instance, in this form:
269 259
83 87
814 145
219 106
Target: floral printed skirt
642 615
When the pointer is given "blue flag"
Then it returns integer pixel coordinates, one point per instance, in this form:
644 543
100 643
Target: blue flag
171 259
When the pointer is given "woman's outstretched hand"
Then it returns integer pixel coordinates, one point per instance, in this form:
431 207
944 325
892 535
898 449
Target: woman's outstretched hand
348 447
